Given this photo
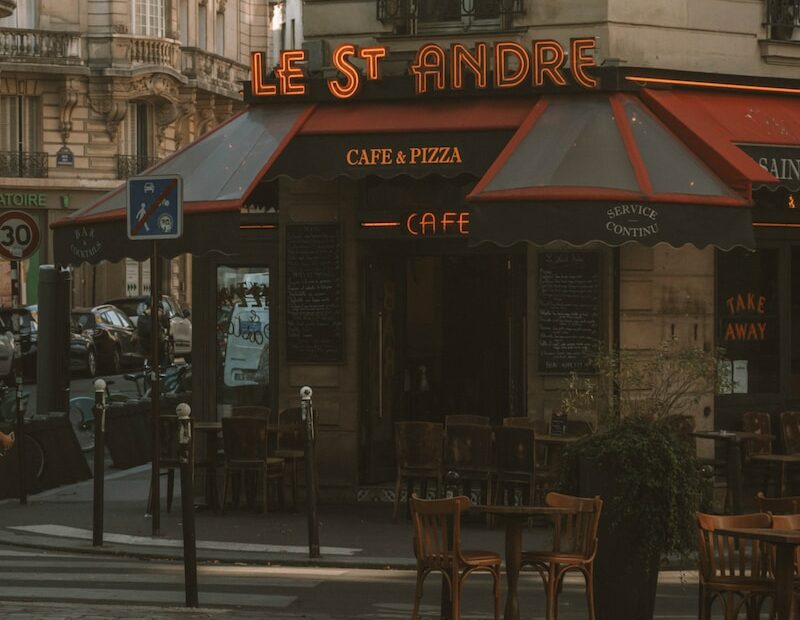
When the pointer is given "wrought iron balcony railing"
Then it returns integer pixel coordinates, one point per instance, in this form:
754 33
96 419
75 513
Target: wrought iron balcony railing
783 19
131 165
410 16
23 164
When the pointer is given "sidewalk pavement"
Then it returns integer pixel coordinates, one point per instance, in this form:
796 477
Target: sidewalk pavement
359 535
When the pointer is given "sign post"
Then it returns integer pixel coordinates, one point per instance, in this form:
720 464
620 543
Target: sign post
19 239
155 211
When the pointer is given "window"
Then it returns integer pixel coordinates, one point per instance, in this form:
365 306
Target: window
748 326
149 18
243 336
183 22
202 27
136 152
410 17
21 137
219 34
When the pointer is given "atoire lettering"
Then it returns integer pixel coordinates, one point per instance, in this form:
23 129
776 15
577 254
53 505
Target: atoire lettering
414 156
17 199
632 220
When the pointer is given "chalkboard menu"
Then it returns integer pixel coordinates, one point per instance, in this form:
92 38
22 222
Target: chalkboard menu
569 311
314 322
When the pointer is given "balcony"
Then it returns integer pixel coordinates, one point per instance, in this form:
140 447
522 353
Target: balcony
129 52
23 164
212 72
131 165
410 17
40 46
783 19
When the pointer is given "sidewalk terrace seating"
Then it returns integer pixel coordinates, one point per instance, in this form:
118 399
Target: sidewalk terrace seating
418 452
574 548
246 450
735 571
437 547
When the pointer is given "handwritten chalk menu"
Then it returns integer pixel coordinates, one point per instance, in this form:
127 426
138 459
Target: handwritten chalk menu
314 321
569 311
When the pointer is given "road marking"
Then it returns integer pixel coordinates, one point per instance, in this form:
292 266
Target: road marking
63 531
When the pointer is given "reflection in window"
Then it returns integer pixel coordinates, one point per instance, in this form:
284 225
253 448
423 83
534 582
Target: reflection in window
748 328
243 339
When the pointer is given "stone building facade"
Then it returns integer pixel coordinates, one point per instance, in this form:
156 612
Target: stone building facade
95 91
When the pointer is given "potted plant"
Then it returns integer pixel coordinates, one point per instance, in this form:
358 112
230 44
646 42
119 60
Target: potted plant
643 465
782 19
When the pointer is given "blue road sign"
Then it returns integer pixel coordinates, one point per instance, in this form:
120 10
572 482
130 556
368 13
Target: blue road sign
155 207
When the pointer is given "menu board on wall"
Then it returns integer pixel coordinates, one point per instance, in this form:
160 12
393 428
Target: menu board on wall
569 311
314 313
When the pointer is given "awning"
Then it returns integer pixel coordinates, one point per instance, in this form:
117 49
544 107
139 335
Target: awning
388 139
219 171
742 133
604 168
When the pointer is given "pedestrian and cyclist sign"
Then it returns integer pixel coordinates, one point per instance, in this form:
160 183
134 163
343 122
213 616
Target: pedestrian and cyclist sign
155 207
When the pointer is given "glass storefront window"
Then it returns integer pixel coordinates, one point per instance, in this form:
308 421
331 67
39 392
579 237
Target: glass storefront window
795 319
243 337
748 327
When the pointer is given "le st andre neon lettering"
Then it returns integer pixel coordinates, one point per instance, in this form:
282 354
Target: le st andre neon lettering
436 69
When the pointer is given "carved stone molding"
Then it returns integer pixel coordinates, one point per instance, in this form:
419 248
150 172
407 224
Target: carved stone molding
166 113
184 127
221 5
69 99
111 107
208 117
157 85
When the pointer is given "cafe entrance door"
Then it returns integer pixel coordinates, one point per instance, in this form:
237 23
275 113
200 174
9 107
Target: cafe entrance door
441 338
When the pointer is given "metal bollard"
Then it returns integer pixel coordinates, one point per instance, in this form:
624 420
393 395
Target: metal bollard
307 411
99 461
20 435
185 455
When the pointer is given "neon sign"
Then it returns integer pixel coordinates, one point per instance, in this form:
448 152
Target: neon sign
425 224
413 156
501 65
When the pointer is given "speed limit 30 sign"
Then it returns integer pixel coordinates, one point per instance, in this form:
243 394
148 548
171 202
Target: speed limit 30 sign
19 235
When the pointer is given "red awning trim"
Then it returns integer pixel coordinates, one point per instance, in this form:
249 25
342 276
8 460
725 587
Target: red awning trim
602 193
531 119
708 137
417 116
625 132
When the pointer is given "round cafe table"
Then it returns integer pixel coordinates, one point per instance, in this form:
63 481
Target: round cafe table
514 518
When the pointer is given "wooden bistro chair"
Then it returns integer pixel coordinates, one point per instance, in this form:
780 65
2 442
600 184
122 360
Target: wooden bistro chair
790 522
574 548
515 461
467 419
169 457
246 450
291 444
468 452
733 570
778 505
758 422
437 547
418 454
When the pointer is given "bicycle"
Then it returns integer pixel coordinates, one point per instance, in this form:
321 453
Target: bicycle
81 416
173 379
34 453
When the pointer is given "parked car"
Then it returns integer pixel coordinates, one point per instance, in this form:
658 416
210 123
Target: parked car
112 333
180 324
7 351
23 321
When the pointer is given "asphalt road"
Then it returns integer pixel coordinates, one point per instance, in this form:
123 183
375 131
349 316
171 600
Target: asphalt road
39 584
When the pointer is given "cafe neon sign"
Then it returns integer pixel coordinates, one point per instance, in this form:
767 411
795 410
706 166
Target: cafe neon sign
543 63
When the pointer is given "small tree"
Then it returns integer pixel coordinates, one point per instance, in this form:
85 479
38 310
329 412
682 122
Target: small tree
643 464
